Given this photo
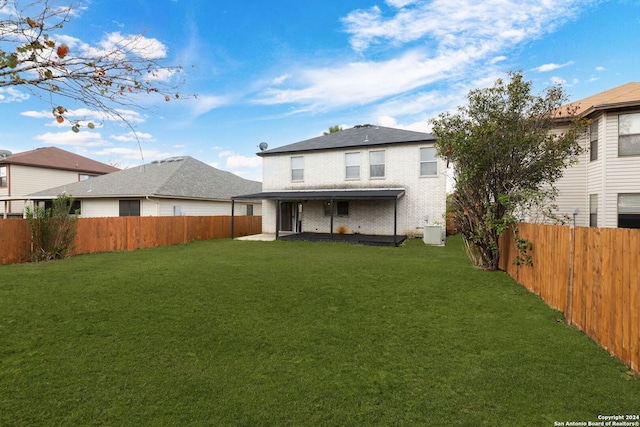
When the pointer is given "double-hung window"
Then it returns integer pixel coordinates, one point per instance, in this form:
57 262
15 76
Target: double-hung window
593 210
3 176
593 141
629 210
376 164
352 165
629 134
297 168
428 162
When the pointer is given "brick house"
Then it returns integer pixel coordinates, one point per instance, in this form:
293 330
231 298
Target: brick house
363 181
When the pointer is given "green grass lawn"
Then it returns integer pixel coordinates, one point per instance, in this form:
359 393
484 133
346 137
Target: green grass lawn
292 334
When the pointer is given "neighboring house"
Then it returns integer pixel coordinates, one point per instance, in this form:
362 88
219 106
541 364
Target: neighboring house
172 187
368 180
603 188
25 173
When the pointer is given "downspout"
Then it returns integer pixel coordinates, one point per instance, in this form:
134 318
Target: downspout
157 205
233 218
278 205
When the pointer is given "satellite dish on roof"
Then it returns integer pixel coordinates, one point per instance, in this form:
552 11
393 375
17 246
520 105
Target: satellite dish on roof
263 146
5 153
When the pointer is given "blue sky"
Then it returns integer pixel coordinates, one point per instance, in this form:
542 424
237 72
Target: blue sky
282 71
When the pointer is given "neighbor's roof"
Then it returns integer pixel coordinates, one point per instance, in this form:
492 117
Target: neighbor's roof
627 95
176 177
55 158
356 137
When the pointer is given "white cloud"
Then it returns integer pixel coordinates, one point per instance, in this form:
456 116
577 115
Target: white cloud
133 137
69 138
86 114
600 68
234 160
552 66
280 79
458 24
202 104
419 43
367 81
9 94
118 46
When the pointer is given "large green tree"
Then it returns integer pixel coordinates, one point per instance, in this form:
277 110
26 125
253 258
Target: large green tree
36 56
505 158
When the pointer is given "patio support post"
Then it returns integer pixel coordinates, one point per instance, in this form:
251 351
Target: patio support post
395 221
331 210
233 205
278 207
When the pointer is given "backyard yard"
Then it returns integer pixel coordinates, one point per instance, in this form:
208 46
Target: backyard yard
245 333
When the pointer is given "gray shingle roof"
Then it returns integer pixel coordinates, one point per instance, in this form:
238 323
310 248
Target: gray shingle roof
179 177
359 136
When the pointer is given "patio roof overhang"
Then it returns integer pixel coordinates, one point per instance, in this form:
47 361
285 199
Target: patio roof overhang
341 194
330 195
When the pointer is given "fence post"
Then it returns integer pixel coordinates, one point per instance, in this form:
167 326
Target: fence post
569 300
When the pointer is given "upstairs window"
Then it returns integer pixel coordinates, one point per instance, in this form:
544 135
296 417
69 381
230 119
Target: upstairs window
376 164
3 176
352 165
593 141
297 168
428 161
629 134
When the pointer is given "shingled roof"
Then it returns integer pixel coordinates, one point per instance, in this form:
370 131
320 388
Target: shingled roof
626 95
176 177
55 158
355 137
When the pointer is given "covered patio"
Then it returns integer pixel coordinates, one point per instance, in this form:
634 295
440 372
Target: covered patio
331 197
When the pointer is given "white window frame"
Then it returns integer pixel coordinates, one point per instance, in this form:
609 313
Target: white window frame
426 160
593 140
629 134
352 163
628 204
297 168
375 165
3 177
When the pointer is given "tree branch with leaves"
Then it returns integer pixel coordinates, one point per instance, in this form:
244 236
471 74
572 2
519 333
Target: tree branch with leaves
505 157
61 69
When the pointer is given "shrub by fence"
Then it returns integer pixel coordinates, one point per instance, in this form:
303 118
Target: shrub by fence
127 233
591 275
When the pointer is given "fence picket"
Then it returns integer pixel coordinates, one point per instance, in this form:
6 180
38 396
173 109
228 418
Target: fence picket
605 297
127 233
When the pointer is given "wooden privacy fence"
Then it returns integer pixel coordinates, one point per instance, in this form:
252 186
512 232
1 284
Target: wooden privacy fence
127 233
591 275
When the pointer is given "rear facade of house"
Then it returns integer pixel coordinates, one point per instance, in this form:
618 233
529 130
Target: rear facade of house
364 180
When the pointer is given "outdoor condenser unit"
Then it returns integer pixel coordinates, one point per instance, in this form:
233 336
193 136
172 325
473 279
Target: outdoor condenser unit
432 235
